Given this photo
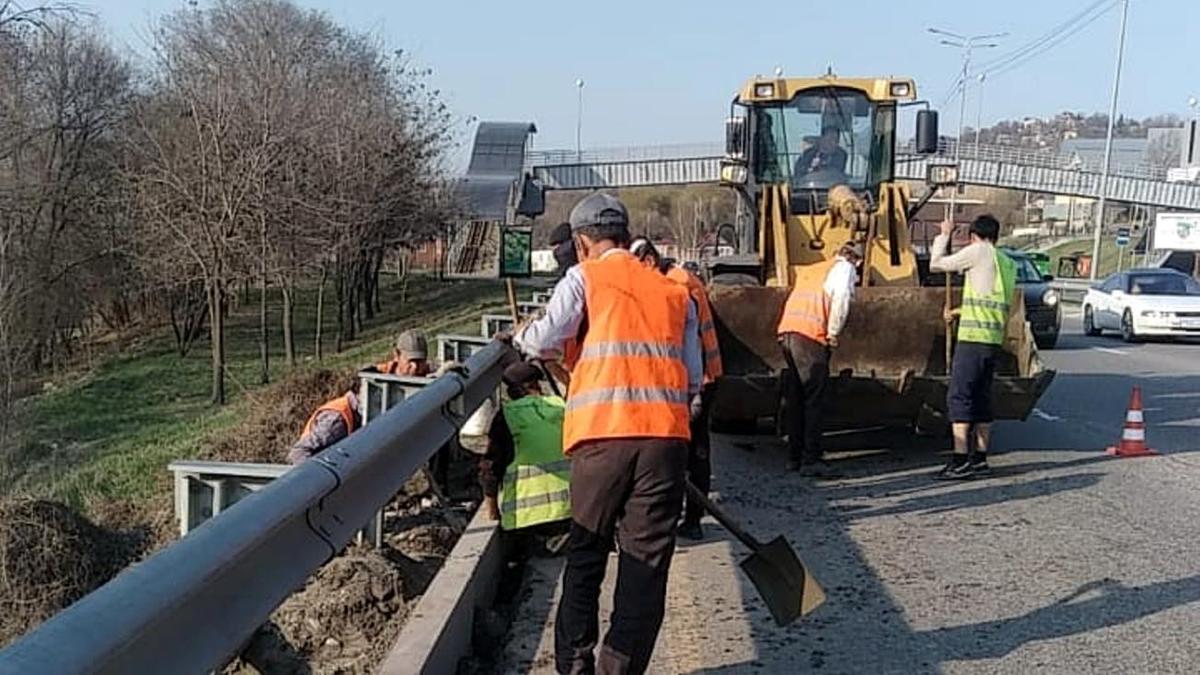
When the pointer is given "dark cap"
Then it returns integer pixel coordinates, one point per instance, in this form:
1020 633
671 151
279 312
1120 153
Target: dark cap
521 374
599 209
560 234
412 344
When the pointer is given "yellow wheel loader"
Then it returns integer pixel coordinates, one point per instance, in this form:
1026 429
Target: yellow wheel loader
813 161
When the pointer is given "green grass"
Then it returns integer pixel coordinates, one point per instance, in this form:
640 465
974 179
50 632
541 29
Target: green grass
110 433
1109 254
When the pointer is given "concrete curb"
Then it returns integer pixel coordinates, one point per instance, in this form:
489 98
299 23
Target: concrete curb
438 634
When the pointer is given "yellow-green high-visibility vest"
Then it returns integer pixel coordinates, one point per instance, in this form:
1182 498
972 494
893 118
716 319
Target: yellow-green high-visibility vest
985 314
537 484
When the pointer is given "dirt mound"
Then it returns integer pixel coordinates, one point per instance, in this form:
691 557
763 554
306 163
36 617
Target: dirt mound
50 556
277 416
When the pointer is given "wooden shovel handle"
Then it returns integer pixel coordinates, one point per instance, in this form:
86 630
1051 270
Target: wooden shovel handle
722 518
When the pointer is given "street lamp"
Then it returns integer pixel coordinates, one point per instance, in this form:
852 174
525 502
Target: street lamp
979 114
579 122
967 44
1108 140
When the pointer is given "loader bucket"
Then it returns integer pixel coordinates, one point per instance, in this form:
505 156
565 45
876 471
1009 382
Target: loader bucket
890 368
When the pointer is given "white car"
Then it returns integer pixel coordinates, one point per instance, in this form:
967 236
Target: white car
1143 303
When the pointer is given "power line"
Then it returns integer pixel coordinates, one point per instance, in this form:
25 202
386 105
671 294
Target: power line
1050 39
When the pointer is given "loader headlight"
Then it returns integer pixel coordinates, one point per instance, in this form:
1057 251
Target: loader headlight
1050 297
764 90
900 89
734 174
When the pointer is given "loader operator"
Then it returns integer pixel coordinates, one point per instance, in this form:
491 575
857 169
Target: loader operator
330 422
409 357
982 320
810 327
626 431
699 470
524 475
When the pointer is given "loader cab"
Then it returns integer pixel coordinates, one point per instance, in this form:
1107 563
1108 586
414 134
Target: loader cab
789 143
822 138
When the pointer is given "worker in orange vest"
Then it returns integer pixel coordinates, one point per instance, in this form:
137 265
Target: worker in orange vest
626 431
331 422
700 449
810 327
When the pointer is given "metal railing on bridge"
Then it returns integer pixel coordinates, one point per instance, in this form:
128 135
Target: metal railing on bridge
192 606
989 165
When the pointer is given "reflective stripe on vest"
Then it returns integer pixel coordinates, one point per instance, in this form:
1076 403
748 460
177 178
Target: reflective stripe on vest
340 405
630 380
807 308
984 317
537 484
713 366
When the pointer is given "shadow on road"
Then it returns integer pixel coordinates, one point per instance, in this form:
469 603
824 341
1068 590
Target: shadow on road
1095 605
863 628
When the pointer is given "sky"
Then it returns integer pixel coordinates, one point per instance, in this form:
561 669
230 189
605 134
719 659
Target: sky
665 71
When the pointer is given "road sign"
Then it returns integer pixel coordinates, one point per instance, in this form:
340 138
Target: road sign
1122 236
1177 232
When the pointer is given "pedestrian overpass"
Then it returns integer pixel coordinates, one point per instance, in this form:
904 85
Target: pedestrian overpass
986 165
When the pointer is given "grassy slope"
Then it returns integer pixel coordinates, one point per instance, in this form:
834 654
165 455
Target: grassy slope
1108 254
111 433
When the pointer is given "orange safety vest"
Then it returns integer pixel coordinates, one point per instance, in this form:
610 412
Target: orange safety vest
340 405
570 354
630 380
708 330
807 309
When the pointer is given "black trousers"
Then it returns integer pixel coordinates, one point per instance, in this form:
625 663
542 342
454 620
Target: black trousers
699 466
804 381
633 489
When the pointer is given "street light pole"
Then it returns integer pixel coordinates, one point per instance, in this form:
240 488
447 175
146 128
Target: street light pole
1108 141
979 114
967 45
579 122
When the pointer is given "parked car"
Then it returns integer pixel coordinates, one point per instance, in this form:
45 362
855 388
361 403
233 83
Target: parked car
1042 309
1143 303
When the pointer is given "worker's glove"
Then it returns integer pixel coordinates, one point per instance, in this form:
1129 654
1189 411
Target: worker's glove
833 342
695 408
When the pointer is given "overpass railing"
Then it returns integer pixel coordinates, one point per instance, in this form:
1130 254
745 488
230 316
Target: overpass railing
1009 154
193 605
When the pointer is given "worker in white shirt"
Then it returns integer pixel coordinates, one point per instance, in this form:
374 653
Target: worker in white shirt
810 327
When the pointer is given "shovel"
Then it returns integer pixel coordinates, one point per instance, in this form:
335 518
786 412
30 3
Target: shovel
780 578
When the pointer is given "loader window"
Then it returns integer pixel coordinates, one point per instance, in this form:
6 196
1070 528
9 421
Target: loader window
822 138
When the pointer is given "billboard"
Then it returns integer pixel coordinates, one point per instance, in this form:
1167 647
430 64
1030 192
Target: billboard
1177 232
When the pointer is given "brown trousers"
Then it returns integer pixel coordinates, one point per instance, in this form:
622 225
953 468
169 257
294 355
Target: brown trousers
631 489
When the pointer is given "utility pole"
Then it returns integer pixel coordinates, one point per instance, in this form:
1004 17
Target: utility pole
979 114
1108 140
579 122
967 44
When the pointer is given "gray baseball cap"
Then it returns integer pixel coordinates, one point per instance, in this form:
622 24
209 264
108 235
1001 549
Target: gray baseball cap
598 209
412 344
854 247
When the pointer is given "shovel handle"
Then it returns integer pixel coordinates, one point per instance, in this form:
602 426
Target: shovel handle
722 518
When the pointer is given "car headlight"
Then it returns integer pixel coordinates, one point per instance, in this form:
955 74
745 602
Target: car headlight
1050 297
1152 314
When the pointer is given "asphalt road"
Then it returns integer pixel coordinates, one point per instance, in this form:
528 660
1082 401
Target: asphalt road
1067 561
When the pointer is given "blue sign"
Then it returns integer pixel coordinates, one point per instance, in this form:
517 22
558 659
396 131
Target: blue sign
1123 236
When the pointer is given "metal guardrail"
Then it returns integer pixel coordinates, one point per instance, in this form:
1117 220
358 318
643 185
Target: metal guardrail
191 607
1072 290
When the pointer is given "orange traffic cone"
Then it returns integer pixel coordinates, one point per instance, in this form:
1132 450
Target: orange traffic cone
1133 436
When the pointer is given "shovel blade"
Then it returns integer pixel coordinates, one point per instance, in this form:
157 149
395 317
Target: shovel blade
782 581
